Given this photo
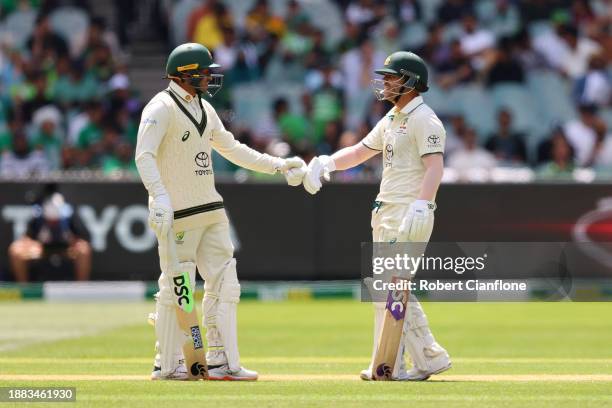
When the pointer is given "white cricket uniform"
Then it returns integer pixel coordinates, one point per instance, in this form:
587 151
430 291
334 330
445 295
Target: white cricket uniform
173 156
404 137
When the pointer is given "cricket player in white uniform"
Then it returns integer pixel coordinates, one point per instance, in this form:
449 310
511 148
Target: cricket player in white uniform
411 139
177 132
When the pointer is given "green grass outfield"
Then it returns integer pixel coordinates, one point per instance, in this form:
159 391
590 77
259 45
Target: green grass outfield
309 353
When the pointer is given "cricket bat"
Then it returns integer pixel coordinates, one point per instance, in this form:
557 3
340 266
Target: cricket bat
187 318
391 333
186 314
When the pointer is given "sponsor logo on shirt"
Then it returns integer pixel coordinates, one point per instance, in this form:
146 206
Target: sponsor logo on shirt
202 160
149 121
388 155
185 136
433 141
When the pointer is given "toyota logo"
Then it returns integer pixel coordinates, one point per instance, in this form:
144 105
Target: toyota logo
433 139
202 160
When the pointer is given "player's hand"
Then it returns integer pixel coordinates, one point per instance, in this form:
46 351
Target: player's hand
417 224
318 167
161 215
294 169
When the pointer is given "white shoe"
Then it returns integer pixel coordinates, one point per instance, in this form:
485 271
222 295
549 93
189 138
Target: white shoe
179 374
421 375
223 373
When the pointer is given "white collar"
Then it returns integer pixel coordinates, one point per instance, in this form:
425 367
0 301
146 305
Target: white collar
412 105
181 92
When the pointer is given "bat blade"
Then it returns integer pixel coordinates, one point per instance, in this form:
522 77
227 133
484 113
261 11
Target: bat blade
193 348
391 333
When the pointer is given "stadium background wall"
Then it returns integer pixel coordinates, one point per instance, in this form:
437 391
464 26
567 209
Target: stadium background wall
284 234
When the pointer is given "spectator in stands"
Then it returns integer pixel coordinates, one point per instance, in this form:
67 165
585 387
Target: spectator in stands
294 128
363 13
47 136
507 146
407 11
505 67
39 96
261 18
21 161
388 41
595 86
525 53
121 160
471 156
477 43
46 46
327 103
98 33
91 133
299 41
561 164
581 133
12 68
203 25
51 233
436 51
579 52
457 69
100 62
74 85
14 125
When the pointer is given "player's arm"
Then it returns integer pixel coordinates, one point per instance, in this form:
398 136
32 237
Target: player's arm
417 224
242 155
151 132
343 159
434 168
352 156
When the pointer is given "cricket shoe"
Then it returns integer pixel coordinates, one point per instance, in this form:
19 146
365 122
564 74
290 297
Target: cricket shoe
179 374
223 373
421 375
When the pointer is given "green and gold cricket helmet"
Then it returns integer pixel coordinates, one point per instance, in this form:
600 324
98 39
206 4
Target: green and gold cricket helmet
409 65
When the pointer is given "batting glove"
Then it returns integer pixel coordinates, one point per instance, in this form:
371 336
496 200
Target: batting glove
417 224
318 167
294 169
161 215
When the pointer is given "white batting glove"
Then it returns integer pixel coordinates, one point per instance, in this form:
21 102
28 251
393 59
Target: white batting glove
161 215
417 223
294 169
318 167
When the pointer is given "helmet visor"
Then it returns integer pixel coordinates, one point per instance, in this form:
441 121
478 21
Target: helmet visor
211 86
393 88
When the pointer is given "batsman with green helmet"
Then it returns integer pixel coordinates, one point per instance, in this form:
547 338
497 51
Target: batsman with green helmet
177 133
411 139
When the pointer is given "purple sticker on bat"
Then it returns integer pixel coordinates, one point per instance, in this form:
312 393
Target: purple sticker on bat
396 302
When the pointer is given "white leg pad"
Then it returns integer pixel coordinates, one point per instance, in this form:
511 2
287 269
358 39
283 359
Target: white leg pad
219 310
425 352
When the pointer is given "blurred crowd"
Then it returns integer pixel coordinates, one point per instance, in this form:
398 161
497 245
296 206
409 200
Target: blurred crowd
297 81
65 99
